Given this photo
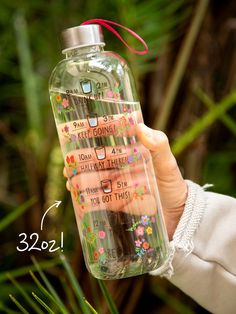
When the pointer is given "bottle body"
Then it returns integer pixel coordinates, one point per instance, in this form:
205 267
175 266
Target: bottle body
111 175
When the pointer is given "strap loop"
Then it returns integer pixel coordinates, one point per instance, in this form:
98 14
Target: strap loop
107 24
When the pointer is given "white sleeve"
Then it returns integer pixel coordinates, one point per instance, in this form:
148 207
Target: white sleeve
203 261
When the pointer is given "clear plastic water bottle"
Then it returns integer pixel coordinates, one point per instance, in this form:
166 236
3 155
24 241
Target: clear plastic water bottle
113 186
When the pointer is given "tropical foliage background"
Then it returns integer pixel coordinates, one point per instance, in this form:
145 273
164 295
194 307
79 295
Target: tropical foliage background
187 88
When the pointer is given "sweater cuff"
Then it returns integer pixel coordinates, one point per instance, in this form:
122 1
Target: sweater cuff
187 226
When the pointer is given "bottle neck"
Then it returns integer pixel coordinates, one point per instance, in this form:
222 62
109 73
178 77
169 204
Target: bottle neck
74 52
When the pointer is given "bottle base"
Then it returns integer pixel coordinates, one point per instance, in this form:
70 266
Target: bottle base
128 267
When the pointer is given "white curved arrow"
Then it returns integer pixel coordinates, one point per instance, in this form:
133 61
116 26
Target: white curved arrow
57 203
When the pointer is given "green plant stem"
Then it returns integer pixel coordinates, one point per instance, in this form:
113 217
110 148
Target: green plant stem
27 73
69 296
202 123
49 286
91 308
20 307
75 285
110 303
10 218
180 66
25 295
227 120
25 270
48 295
5 310
40 301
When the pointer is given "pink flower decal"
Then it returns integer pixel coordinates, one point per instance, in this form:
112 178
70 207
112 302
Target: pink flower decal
153 219
65 103
139 231
101 250
110 94
66 129
131 121
102 234
73 137
138 243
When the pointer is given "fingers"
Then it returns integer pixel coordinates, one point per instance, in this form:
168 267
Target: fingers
66 176
68 185
157 142
64 172
172 187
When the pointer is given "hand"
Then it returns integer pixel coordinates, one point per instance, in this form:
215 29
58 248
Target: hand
172 187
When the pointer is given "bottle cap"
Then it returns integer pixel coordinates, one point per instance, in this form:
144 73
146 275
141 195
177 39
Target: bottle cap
82 36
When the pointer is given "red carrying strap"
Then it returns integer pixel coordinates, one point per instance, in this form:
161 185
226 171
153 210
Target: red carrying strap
107 24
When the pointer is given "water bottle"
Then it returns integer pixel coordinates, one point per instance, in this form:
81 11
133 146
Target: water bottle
111 175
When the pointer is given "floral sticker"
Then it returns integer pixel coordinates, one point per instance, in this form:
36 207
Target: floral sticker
135 156
71 163
102 234
139 231
145 220
142 230
115 93
62 105
139 192
149 230
79 196
138 243
101 250
90 237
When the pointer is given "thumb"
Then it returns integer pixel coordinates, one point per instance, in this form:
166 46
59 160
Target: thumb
172 187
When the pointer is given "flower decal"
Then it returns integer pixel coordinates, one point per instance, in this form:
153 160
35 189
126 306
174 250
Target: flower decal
146 245
70 160
138 243
71 163
102 234
149 230
139 231
65 103
142 230
58 98
66 129
62 105
95 255
145 220
101 250
139 192
153 219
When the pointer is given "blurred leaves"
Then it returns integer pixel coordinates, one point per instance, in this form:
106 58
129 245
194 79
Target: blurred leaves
204 122
31 163
181 64
16 213
158 22
49 299
111 305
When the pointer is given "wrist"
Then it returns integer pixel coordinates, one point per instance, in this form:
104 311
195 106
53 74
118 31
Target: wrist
172 217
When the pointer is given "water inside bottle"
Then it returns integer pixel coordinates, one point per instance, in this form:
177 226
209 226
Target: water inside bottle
113 185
